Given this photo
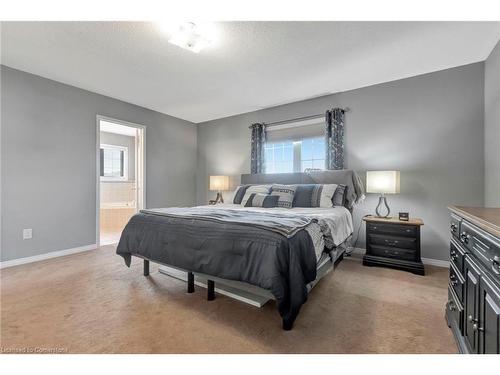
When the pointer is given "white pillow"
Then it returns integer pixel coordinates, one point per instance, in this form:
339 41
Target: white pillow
258 189
327 194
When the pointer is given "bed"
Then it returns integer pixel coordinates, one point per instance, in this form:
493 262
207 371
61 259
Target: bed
283 251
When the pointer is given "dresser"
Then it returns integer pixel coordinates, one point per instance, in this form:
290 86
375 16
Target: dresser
393 243
473 307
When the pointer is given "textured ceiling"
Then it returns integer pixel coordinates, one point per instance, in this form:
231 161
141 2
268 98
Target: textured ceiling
251 66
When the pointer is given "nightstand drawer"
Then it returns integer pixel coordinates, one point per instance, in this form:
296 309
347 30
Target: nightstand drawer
394 253
393 241
394 229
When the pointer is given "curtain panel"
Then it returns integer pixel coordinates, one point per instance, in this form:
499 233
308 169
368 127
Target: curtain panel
334 134
258 144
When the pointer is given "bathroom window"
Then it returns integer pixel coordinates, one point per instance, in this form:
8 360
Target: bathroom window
114 163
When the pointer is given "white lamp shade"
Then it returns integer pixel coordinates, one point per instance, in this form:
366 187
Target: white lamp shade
382 182
219 183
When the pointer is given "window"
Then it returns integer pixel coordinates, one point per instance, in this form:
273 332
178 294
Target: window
295 156
279 157
114 163
312 153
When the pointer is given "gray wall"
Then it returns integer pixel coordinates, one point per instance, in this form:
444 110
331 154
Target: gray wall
49 161
492 128
429 127
124 141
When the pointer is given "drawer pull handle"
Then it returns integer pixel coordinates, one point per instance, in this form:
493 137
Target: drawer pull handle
451 306
471 319
495 264
392 243
454 282
464 237
475 327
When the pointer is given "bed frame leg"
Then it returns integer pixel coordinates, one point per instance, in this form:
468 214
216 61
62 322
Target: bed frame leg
146 267
190 282
287 325
210 290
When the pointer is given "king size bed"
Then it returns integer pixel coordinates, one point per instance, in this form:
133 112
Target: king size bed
280 233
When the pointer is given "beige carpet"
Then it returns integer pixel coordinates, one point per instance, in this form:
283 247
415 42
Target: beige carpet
92 303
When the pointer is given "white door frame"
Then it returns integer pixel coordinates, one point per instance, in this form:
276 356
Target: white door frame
98 166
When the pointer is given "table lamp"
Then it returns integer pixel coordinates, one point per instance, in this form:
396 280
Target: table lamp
219 183
382 182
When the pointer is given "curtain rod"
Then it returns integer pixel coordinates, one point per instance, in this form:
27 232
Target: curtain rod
346 109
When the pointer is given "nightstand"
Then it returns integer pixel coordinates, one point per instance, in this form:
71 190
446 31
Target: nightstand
393 243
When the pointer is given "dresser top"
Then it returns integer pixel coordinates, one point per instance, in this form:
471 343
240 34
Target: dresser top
484 217
393 220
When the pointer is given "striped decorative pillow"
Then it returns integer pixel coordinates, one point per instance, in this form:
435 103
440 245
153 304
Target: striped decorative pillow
262 189
262 200
322 195
319 195
285 194
239 193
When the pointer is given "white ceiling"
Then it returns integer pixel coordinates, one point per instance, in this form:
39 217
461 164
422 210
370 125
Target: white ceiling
252 65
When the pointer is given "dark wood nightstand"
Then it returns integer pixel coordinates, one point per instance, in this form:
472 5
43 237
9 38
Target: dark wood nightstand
393 243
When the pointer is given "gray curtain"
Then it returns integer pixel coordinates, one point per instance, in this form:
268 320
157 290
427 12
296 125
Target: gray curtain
257 162
334 122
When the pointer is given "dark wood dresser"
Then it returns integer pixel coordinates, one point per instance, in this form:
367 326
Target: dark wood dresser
393 243
473 307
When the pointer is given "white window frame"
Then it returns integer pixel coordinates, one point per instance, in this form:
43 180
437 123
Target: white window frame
125 163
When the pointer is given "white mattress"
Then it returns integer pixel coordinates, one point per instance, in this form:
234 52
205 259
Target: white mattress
334 223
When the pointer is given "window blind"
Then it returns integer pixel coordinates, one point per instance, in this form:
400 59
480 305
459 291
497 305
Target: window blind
295 131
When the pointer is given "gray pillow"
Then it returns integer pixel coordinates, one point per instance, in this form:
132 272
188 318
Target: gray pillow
303 195
285 194
262 200
340 196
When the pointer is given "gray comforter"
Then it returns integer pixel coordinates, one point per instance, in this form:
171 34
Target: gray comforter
267 250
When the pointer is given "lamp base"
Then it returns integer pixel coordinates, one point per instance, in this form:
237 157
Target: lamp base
382 201
219 198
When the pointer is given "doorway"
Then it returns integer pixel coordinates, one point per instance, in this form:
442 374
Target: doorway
120 176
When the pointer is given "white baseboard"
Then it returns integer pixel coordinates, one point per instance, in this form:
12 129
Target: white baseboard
436 262
432 262
52 254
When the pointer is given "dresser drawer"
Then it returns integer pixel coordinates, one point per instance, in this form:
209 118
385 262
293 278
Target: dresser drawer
393 229
457 283
457 255
456 309
394 253
393 241
482 245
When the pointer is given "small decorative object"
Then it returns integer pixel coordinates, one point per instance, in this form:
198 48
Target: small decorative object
404 216
219 183
382 182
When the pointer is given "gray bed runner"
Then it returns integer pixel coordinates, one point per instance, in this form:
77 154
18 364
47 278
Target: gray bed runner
286 225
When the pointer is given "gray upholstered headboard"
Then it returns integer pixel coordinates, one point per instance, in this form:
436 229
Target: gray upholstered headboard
355 189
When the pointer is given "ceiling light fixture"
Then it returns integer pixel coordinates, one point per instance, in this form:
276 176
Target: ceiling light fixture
191 37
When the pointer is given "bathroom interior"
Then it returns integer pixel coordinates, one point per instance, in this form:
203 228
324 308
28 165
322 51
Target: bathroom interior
119 175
